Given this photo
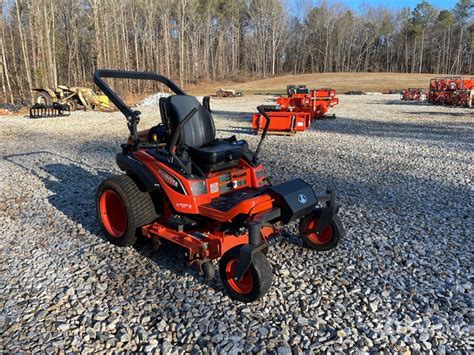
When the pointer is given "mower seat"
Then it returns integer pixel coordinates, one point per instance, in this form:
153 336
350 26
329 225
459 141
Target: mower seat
198 136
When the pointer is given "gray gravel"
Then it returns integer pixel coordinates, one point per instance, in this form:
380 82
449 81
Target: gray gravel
401 280
152 100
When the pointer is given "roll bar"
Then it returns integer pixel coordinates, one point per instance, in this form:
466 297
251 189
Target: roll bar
122 74
132 116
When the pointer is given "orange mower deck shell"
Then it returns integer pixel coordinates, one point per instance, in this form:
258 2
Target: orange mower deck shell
211 243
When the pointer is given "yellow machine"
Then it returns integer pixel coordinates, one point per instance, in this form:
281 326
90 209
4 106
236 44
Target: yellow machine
74 97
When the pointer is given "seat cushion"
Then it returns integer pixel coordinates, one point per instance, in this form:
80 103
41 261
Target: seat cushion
219 155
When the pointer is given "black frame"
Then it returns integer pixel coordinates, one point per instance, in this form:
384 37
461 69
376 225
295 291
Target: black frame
132 116
123 74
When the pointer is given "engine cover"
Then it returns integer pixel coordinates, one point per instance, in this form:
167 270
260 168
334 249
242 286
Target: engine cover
295 197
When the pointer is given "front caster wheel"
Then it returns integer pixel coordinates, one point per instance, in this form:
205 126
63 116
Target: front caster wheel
255 282
327 239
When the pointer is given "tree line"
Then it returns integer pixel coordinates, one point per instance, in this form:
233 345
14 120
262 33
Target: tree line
51 42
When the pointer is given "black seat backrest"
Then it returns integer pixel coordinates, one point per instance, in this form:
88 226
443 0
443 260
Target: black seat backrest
199 131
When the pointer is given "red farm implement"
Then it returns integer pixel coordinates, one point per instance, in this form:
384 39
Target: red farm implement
452 91
297 111
412 94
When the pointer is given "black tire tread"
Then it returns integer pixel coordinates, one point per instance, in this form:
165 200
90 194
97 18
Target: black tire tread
72 105
261 263
338 229
141 203
138 203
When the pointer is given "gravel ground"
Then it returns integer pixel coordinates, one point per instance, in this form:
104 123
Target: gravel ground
401 280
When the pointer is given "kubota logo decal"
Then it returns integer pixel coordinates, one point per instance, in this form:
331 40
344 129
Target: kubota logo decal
302 198
168 178
184 205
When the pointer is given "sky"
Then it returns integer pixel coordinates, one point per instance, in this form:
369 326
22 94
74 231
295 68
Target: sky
391 4
398 4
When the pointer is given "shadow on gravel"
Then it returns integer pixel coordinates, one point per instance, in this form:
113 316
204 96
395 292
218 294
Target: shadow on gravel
421 104
171 257
72 184
238 130
403 103
430 113
444 132
236 116
73 192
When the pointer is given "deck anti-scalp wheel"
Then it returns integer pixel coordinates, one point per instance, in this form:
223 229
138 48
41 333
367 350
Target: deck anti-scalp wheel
122 208
327 239
255 282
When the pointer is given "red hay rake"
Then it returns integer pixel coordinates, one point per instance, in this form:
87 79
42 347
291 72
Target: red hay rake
452 91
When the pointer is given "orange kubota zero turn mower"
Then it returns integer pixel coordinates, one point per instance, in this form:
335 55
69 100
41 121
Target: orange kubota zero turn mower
211 196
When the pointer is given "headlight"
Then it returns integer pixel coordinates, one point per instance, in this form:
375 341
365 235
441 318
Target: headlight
198 188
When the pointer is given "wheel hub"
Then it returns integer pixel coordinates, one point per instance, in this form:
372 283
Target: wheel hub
319 238
113 214
242 286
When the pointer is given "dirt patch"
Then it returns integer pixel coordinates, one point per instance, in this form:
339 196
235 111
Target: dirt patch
342 82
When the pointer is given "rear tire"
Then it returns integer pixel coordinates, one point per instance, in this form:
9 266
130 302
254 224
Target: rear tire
122 209
255 282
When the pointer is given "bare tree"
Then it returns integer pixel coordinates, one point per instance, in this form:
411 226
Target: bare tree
62 41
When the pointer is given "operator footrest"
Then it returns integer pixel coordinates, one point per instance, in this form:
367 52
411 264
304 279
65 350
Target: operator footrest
225 203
